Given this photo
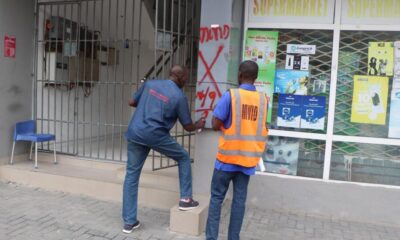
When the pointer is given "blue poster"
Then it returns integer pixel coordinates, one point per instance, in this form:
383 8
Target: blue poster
394 119
313 112
291 82
289 110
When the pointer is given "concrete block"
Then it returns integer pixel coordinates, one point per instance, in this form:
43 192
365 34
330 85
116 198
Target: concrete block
191 222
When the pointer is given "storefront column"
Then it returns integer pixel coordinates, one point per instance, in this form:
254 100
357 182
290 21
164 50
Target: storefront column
218 61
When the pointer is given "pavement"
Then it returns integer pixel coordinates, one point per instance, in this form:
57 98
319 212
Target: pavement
36 214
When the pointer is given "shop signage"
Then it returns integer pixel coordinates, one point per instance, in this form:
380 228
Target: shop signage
291 11
370 12
301 49
9 46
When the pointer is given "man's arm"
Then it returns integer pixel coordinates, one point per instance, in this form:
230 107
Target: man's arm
194 126
133 102
185 118
221 112
216 124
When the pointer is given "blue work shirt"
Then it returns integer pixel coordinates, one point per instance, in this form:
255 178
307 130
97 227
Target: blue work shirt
159 104
223 111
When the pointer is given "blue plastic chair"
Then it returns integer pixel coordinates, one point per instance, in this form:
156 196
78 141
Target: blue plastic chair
26 131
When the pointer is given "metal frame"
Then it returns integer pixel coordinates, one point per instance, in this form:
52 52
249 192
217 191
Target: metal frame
88 115
329 137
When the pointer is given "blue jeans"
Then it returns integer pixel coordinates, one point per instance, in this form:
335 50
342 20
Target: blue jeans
219 186
137 154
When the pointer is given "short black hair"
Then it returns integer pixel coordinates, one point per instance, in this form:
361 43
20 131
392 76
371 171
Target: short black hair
249 69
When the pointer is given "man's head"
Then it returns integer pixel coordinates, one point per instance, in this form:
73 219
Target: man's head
179 74
248 72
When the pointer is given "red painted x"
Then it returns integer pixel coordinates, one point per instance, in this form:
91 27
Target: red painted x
209 68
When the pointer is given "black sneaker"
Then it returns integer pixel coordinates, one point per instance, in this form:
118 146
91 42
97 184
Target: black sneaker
185 206
128 228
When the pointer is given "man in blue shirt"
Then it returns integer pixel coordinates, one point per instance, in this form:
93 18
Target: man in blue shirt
159 103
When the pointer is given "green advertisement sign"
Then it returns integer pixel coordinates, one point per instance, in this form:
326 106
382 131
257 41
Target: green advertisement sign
260 46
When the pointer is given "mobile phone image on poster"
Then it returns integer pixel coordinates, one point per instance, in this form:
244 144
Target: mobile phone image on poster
291 82
313 112
289 110
281 155
370 95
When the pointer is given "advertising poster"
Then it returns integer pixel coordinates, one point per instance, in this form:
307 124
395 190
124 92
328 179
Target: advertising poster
291 82
394 117
370 95
260 46
289 110
380 58
281 155
313 112
397 58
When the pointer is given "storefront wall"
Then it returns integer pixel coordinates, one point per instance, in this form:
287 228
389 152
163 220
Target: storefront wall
349 167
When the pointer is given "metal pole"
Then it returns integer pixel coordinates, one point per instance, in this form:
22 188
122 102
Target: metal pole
66 81
115 80
122 84
92 80
107 83
99 99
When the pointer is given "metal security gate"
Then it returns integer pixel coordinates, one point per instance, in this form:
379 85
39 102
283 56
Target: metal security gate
91 55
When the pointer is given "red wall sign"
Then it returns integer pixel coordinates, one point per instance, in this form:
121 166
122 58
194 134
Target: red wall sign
9 46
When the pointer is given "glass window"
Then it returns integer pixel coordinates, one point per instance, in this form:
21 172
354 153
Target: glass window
354 60
292 156
369 163
319 66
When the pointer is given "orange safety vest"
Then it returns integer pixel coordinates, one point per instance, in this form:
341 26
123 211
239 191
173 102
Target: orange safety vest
244 141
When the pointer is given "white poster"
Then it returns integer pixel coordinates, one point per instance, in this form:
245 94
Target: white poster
299 11
394 117
396 58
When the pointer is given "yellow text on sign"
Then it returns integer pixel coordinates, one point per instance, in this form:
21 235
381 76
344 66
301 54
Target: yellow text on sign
281 8
373 8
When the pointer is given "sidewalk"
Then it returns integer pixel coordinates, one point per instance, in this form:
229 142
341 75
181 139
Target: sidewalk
35 214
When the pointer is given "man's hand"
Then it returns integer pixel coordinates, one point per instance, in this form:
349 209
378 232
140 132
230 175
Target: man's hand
200 123
132 103
195 126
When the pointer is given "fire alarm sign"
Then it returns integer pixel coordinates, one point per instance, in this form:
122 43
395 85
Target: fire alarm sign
9 46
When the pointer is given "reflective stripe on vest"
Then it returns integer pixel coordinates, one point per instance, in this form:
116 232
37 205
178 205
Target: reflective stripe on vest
244 148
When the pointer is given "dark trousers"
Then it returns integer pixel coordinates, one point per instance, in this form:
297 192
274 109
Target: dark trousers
219 186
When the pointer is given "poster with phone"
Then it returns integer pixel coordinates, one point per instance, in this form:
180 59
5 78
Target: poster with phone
291 82
281 155
289 110
370 95
394 117
380 58
313 112
260 46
